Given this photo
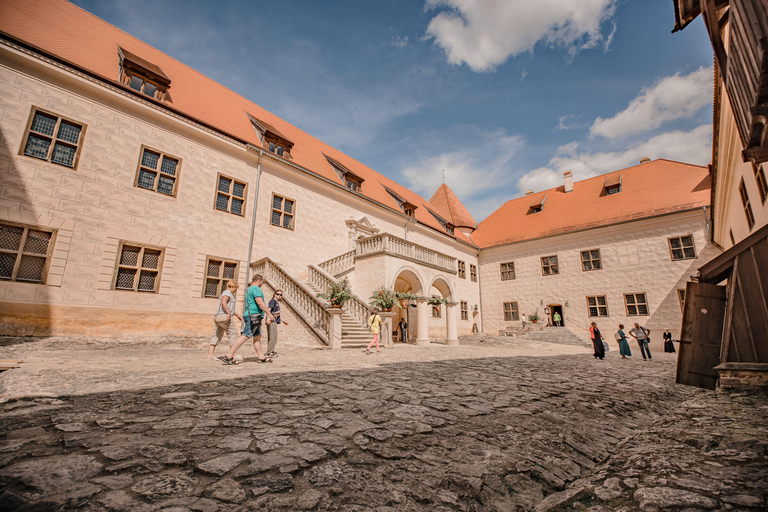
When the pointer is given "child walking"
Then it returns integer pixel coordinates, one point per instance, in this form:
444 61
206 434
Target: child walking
374 321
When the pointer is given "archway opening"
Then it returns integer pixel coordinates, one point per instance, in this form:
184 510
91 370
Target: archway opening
405 322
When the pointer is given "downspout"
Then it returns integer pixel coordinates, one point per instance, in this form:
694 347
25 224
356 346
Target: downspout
253 221
406 227
706 222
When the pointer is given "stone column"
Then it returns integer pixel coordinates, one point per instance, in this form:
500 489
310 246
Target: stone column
422 328
334 329
385 331
451 323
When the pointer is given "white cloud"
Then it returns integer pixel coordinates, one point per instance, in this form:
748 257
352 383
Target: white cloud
399 41
670 98
691 147
480 168
485 34
562 122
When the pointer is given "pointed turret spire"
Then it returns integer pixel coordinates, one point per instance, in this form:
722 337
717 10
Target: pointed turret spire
448 205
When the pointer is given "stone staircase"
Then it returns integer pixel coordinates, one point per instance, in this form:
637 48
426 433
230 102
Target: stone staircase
353 333
558 335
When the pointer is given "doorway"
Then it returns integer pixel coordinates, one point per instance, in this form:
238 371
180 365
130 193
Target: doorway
556 308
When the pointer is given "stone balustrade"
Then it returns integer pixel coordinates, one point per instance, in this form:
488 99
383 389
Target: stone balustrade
339 265
400 248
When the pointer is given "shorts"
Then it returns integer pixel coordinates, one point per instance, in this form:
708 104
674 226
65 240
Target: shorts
226 327
249 331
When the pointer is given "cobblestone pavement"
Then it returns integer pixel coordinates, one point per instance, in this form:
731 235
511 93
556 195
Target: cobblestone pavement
65 366
442 433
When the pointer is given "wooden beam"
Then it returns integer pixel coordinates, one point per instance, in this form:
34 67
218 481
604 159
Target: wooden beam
709 13
718 268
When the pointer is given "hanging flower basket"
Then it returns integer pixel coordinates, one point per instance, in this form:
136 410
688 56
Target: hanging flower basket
384 300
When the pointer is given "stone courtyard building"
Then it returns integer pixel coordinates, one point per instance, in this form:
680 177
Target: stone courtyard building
133 188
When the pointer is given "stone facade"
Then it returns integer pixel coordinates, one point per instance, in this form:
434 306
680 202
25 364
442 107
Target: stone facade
97 206
635 258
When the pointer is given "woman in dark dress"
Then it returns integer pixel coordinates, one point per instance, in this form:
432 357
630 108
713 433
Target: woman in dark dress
668 345
597 341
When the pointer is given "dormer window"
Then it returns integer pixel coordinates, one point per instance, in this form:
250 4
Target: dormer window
408 208
271 140
143 76
447 226
351 180
612 185
537 204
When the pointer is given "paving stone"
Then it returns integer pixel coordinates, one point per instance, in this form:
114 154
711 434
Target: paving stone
276 483
163 455
169 484
50 474
225 463
228 490
114 481
653 498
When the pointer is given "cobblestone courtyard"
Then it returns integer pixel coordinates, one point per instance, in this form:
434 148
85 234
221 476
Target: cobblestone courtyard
479 427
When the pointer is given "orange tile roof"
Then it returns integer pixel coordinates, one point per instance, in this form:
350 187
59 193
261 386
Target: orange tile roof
650 189
79 38
449 206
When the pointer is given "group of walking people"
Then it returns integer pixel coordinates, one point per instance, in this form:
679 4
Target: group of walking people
255 310
640 333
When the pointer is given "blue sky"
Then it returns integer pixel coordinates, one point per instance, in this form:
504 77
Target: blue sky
502 95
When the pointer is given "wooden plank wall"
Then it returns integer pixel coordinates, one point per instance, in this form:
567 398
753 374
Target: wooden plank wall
745 338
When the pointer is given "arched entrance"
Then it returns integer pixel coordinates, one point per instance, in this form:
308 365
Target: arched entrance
407 280
440 287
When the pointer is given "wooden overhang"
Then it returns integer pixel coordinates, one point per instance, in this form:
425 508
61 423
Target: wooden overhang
718 269
538 201
344 170
743 67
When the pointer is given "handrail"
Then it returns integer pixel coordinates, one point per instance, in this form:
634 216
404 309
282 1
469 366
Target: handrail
396 246
340 264
297 296
356 308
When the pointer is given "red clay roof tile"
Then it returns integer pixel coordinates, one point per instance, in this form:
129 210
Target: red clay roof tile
655 188
448 205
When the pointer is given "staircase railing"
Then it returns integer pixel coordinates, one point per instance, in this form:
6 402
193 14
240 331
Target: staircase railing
297 296
399 247
322 280
339 265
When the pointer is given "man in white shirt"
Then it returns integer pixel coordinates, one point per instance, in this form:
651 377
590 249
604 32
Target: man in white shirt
640 333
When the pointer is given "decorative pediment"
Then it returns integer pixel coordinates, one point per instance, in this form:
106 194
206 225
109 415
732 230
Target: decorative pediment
362 226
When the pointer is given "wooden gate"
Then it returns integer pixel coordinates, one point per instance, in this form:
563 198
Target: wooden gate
701 334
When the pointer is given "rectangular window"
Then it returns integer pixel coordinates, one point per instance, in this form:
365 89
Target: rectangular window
681 248
681 298
597 306
510 312
636 304
217 272
53 138
746 204
436 310
158 171
138 268
549 266
230 195
762 184
473 273
25 253
462 270
464 310
590 260
283 211
508 271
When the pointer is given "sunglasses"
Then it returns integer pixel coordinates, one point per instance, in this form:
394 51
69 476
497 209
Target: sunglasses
279 294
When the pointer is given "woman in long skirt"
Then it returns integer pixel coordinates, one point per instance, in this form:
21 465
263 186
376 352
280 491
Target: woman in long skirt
623 345
597 341
668 345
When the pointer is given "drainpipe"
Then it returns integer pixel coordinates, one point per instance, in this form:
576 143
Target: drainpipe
406 227
479 284
706 219
253 221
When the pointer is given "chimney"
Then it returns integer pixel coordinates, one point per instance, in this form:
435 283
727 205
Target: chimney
529 192
645 160
568 179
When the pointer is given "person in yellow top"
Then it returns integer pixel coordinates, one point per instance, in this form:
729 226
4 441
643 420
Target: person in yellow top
374 321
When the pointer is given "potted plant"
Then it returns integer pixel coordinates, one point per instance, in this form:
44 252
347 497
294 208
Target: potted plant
437 301
534 318
384 300
338 293
405 296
